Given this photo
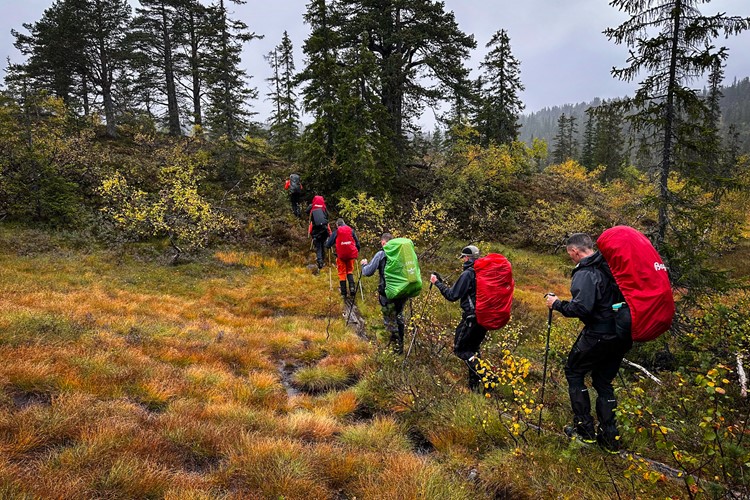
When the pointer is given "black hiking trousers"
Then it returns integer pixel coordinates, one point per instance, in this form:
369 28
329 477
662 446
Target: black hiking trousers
469 336
393 319
295 199
600 354
319 241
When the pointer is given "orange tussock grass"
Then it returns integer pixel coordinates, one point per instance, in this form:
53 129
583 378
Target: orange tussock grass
262 390
406 476
342 404
382 435
269 467
322 378
247 259
310 426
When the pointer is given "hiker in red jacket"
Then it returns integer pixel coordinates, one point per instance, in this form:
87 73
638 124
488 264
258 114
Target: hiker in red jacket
294 186
347 251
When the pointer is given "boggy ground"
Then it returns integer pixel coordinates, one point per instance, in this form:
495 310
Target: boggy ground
235 376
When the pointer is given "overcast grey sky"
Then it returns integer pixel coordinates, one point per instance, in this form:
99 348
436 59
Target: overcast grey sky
564 56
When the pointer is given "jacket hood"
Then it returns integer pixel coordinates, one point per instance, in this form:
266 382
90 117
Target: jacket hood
318 200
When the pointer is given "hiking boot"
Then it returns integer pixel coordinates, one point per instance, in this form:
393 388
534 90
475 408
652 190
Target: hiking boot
609 445
572 433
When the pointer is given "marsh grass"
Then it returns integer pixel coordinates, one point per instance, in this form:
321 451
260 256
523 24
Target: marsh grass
124 378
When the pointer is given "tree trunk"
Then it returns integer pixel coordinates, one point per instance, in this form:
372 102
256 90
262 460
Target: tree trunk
195 71
172 107
669 117
109 105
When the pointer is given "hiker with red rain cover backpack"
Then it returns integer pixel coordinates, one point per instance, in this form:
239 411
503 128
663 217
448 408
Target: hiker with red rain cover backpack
622 294
598 349
347 250
319 229
485 291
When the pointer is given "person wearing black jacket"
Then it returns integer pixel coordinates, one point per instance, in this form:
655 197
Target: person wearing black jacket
469 333
598 349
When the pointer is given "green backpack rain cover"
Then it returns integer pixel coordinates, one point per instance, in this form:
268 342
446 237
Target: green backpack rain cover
402 277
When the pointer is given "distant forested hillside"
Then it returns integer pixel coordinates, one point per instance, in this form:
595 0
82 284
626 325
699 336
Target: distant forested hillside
735 109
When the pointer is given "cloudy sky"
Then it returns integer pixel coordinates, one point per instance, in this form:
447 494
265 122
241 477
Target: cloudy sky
564 56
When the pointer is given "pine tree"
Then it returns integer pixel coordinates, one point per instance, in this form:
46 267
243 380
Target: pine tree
155 36
106 24
587 151
608 144
193 22
566 140
227 90
285 120
681 51
409 40
56 53
320 78
499 102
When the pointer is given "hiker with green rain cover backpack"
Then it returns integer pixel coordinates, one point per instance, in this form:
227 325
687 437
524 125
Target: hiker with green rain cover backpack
400 280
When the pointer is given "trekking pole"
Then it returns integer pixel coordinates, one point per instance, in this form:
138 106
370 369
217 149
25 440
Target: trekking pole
330 275
544 372
351 306
414 335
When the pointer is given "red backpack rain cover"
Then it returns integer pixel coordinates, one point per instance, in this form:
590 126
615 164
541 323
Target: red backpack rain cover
494 291
642 278
346 248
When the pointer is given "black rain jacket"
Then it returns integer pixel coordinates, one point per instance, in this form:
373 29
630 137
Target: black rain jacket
593 292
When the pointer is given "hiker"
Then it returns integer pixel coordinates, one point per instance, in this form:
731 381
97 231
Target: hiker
393 310
347 251
598 349
294 186
319 229
469 333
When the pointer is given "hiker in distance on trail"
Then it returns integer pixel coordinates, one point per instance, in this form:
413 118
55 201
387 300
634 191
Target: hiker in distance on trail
347 250
318 229
294 186
598 348
469 333
392 309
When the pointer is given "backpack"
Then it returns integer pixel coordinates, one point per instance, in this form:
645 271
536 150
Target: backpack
318 216
643 280
495 285
402 275
295 186
346 247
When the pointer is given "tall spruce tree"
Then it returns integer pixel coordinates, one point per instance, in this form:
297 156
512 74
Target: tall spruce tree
226 83
587 149
285 122
194 26
320 79
410 40
566 140
155 37
609 141
54 48
499 101
107 24
673 43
